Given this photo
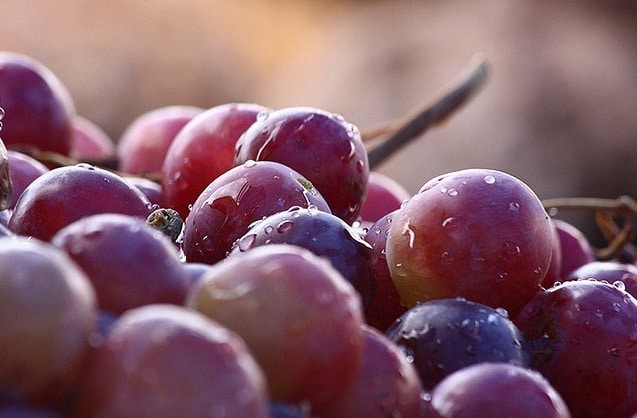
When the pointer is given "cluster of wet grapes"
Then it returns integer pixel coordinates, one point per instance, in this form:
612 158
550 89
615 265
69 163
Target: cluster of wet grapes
241 261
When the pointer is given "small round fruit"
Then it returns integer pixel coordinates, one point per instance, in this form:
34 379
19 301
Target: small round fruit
299 316
497 390
48 310
167 361
476 233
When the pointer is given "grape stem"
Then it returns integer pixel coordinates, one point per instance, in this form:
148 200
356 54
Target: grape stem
403 131
616 219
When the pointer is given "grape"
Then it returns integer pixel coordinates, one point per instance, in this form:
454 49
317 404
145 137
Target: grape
6 185
89 142
477 233
202 151
287 410
622 275
18 410
151 189
129 263
387 384
576 249
66 194
23 169
244 194
384 195
39 108
553 273
297 314
168 361
497 390
385 308
445 335
325 235
583 336
322 146
48 312
143 146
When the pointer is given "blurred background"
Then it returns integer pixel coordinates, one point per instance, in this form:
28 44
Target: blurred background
560 109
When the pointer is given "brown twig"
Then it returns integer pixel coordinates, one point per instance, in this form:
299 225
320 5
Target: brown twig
404 131
615 218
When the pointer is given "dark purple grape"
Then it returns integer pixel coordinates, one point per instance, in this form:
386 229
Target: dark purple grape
129 263
232 202
66 194
320 145
583 338
445 335
323 234
497 390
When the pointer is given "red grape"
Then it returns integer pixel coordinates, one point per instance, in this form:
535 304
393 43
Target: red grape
297 314
224 211
39 108
6 185
168 361
321 146
576 249
89 142
145 142
445 335
23 169
322 233
385 308
66 194
387 384
202 151
129 263
48 312
497 390
150 188
620 274
554 272
583 335
384 195
477 233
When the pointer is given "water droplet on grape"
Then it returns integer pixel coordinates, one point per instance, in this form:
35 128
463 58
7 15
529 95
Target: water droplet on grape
1 125
452 192
284 226
553 211
447 257
514 206
616 307
470 327
312 209
502 312
245 243
511 249
400 270
599 314
489 179
2 113
249 163
263 115
411 234
619 284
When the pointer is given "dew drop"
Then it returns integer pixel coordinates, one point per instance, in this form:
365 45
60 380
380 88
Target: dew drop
245 243
514 206
263 115
312 210
2 113
511 248
619 285
284 226
599 314
616 307
452 192
249 163
400 270
1 125
489 179
502 312
446 256
553 211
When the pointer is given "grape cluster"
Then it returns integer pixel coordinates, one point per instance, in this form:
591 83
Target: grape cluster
241 261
